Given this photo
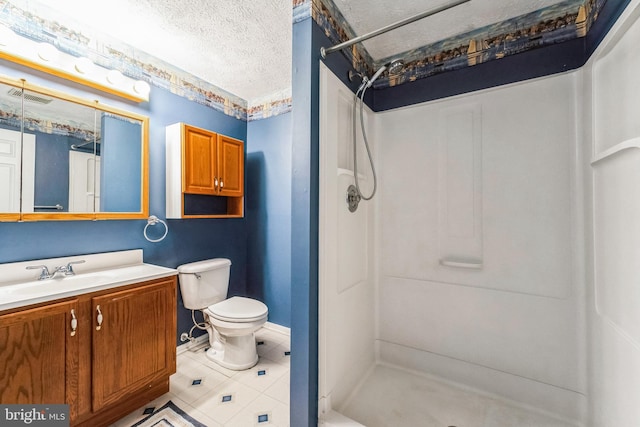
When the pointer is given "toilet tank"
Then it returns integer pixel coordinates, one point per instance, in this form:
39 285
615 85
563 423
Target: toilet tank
204 283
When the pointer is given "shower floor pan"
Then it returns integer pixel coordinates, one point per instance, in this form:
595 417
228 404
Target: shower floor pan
392 397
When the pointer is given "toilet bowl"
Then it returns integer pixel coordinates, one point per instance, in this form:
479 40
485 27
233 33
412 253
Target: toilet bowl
231 323
234 322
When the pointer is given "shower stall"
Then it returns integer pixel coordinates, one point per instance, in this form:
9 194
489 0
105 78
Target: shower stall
490 280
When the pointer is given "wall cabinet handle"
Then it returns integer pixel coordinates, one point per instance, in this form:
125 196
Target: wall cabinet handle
99 318
221 184
215 183
74 323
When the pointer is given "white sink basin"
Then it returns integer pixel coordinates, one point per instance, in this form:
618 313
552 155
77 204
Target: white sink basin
19 287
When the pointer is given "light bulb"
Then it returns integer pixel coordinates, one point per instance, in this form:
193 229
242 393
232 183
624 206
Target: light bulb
114 77
141 87
6 36
83 65
47 52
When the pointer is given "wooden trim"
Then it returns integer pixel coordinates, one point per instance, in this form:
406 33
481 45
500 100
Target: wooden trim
58 216
68 76
9 217
83 216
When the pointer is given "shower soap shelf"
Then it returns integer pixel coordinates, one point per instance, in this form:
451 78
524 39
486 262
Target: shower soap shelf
461 264
625 145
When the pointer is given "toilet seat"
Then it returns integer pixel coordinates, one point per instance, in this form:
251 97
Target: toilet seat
238 310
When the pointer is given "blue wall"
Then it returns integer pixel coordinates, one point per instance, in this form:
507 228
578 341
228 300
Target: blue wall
120 183
304 225
51 185
527 65
268 211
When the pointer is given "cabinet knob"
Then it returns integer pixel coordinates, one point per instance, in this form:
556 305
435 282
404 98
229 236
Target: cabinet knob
99 318
74 323
215 183
221 184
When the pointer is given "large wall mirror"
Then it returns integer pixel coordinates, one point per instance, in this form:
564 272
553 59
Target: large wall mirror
65 158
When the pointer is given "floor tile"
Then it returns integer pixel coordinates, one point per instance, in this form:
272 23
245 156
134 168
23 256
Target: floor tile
263 411
280 390
220 397
263 375
222 410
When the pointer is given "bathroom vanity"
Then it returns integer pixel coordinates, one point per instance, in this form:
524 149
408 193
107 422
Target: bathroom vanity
103 341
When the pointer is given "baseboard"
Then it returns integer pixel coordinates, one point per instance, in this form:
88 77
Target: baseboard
203 340
196 344
277 328
566 404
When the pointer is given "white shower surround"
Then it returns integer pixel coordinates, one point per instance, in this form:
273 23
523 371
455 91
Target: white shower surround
551 317
514 327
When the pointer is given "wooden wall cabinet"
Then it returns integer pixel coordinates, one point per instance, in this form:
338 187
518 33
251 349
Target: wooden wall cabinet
202 165
39 356
116 356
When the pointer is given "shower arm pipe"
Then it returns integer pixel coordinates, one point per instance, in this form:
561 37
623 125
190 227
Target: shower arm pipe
326 51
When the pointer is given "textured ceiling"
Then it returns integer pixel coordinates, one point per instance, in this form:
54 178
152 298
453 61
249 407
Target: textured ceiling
365 16
244 46
241 46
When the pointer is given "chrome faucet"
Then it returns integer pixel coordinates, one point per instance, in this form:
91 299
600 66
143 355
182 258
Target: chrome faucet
67 270
44 272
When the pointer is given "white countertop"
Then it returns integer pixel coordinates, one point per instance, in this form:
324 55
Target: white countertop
20 287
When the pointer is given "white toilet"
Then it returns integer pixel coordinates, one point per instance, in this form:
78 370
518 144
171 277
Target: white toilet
232 322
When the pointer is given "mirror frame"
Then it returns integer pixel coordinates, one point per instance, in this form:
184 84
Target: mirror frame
72 216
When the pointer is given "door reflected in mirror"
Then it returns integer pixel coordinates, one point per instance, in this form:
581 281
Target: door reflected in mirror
11 152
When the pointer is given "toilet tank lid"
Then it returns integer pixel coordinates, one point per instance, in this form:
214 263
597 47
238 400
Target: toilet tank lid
206 265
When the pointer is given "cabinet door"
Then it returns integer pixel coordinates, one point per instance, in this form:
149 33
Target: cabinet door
199 161
134 340
231 166
39 356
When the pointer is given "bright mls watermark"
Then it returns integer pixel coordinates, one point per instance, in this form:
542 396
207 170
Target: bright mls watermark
34 415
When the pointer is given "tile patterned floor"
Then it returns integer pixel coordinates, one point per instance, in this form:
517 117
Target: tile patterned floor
217 396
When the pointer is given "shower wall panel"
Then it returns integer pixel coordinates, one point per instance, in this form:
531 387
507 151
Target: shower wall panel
513 322
346 279
613 164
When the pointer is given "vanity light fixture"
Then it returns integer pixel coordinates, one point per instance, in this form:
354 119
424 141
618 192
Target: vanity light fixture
45 57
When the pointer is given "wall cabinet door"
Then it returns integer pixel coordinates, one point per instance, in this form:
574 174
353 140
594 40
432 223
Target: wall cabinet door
133 340
200 172
231 166
39 355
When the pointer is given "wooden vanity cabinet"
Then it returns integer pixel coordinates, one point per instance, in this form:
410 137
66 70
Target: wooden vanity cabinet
203 163
135 343
39 355
119 357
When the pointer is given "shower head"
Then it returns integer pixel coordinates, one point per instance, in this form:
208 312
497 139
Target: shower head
394 67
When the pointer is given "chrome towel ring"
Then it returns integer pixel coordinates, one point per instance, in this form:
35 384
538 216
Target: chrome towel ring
153 220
